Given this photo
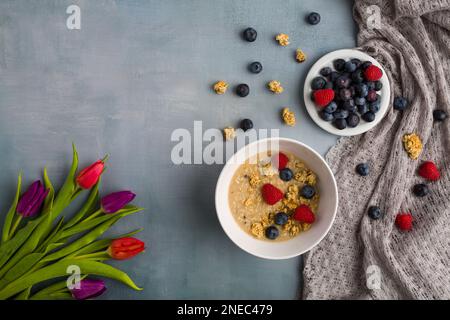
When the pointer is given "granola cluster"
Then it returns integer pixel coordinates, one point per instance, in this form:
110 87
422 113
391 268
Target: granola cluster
412 145
275 86
220 87
288 117
283 39
300 56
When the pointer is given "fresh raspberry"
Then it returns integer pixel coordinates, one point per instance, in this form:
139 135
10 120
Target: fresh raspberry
429 171
373 73
280 160
271 194
323 97
404 221
304 214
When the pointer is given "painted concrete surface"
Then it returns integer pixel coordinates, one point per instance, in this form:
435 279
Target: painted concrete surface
135 72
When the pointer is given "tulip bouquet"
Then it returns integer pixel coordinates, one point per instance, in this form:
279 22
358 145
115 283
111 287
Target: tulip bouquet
40 248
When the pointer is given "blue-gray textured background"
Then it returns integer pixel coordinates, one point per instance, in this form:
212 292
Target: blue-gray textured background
136 71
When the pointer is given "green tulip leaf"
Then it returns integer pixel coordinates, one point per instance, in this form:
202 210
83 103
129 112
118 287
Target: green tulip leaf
59 269
12 245
22 267
88 206
11 212
24 295
48 203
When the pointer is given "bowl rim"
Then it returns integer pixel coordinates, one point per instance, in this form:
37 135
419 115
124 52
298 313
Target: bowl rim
314 72
319 239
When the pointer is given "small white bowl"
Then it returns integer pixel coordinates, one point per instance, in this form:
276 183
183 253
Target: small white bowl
327 61
305 241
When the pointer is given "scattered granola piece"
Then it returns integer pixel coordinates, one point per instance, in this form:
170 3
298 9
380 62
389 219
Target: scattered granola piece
220 87
283 39
257 230
288 117
412 145
300 56
229 133
275 86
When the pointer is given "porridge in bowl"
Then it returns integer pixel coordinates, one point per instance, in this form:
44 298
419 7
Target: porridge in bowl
274 196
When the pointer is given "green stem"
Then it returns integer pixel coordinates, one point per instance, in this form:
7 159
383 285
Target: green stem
15 225
91 255
95 214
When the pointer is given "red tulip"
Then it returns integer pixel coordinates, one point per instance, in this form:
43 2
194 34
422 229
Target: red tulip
125 248
90 175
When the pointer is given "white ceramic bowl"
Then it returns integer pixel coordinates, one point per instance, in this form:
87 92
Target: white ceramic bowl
327 61
305 241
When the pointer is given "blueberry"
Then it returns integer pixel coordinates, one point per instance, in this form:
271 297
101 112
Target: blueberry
329 85
342 82
334 75
374 106
361 90
420 190
255 67
368 116
331 107
313 18
366 64
356 62
341 124
318 83
326 116
371 96
370 85
340 114
281 218
286 174
363 109
339 64
326 71
359 101
362 169
242 90
307 191
246 124
374 213
345 94
250 34
349 105
352 120
400 103
378 85
272 232
357 76
349 66
439 115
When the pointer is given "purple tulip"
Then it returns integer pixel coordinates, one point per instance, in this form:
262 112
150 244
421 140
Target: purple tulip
31 201
115 201
89 288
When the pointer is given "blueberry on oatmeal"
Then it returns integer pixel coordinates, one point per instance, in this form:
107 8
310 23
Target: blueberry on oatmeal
281 218
272 232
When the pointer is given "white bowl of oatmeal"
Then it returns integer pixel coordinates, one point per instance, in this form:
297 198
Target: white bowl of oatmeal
272 225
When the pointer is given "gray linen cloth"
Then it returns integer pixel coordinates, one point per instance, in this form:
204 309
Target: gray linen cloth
367 259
